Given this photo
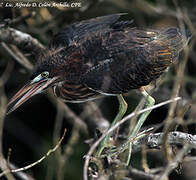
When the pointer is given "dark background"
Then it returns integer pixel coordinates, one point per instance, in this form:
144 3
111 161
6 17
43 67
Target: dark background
29 131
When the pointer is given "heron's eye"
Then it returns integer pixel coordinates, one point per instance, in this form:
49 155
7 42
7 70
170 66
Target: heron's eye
45 74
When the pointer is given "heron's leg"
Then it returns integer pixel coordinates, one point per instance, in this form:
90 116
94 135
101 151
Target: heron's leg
150 101
121 112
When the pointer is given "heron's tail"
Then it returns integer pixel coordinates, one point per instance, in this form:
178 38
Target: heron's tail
175 39
170 43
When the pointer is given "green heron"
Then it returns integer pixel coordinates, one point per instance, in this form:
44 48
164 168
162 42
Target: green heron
102 56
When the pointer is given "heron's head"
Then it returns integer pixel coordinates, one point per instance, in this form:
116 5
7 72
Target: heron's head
42 78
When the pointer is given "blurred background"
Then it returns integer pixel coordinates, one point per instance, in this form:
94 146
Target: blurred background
37 125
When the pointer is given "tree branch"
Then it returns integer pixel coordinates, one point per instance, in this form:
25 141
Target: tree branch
156 140
20 39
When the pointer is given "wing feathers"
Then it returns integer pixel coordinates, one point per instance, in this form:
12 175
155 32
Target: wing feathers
142 57
74 33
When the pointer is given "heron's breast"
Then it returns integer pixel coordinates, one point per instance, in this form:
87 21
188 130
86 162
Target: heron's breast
75 93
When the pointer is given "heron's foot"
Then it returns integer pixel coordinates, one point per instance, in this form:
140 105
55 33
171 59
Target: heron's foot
116 151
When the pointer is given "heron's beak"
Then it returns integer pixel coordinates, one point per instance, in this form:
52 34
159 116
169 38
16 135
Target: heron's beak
28 91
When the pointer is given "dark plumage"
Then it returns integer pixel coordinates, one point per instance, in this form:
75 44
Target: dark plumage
102 56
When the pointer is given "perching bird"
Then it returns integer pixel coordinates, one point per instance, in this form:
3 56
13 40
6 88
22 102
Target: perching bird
101 56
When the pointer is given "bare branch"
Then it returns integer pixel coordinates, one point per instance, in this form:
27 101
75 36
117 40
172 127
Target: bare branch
137 174
176 88
3 102
156 140
20 60
21 175
20 39
19 19
68 113
174 163
95 116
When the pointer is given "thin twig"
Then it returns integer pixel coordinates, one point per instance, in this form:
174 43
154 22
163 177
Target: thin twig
19 19
144 159
56 135
3 102
174 163
177 85
138 174
5 76
23 61
68 113
95 116
68 151
37 162
22 175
